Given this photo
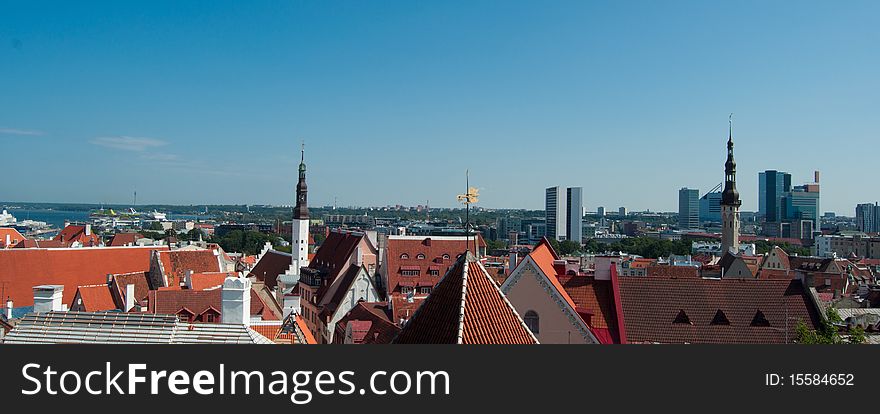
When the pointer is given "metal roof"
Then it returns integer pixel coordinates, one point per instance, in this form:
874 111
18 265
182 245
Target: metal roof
125 328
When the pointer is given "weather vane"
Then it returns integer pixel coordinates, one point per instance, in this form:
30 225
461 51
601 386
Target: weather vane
469 197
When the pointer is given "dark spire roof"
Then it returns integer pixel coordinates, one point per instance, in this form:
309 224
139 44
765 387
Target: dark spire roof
730 196
301 211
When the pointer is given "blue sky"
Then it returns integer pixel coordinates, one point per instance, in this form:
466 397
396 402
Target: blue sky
206 102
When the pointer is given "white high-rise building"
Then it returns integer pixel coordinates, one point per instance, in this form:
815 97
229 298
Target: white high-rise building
564 213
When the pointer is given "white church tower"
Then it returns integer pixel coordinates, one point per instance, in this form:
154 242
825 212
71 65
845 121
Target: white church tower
300 233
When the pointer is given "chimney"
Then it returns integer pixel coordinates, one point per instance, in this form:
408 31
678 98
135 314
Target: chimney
236 294
88 229
8 308
187 281
512 261
129 297
48 298
358 256
8 241
290 305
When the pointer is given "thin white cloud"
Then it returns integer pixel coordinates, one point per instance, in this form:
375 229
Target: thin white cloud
160 156
21 132
127 143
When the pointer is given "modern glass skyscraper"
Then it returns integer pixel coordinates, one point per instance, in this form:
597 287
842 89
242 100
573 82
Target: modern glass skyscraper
689 208
772 186
710 207
553 210
574 214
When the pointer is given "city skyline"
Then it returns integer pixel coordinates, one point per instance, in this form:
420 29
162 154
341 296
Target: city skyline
208 104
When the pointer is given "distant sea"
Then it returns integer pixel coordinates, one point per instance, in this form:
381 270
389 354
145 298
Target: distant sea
54 217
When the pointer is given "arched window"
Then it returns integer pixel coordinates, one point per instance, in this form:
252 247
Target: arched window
420 256
532 321
446 256
404 256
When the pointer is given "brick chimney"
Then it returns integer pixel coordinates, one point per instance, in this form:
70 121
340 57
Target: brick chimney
236 296
48 298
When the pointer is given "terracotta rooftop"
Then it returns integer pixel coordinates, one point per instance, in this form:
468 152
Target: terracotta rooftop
125 239
22 269
429 258
94 298
381 329
78 233
466 307
175 263
13 235
721 311
197 302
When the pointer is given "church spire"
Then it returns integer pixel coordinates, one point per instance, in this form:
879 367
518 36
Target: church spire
301 211
730 195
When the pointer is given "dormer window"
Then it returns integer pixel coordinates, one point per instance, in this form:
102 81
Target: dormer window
760 319
420 256
446 256
720 318
682 318
404 256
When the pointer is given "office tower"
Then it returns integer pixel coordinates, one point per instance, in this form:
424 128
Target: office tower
600 211
772 186
710 207
688 208
622 212
574 214
564 213
555 214
866 217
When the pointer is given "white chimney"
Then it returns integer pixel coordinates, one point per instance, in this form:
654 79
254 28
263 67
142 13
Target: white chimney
48 298
236 294
8 240
129 297
88 229
8 308
291 304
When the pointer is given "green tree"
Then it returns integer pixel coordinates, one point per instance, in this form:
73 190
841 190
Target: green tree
826 332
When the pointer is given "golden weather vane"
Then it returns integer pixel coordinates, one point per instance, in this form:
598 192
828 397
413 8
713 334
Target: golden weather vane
469 197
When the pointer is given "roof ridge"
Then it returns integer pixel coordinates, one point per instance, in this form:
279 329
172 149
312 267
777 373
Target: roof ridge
464 279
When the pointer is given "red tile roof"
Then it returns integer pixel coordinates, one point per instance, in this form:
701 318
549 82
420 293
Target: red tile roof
207 280
466 307
380 329
596 298
665 270
95 298
172 301
665 310
22 269
42 244
175 263
421 255
125 239
141 283
14 237
77 233
335 253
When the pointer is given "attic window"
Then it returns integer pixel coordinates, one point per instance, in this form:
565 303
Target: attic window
720 318
420 256
446 256
682 318
760 319
404 256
